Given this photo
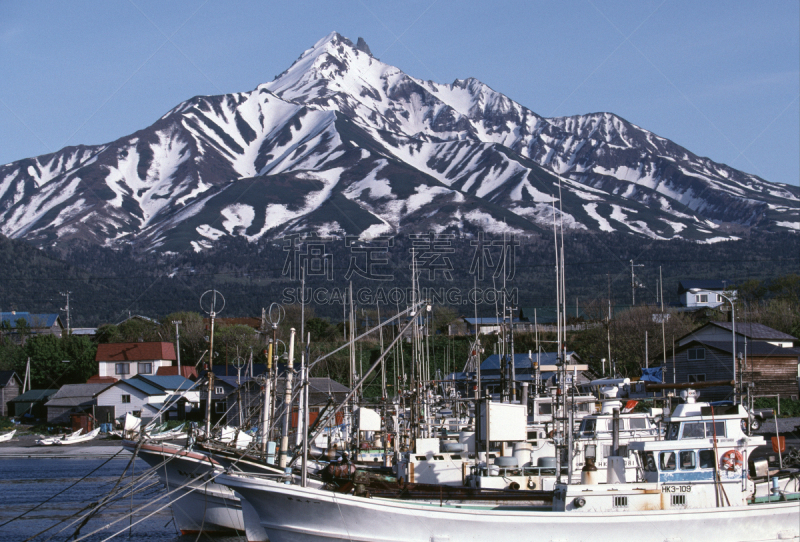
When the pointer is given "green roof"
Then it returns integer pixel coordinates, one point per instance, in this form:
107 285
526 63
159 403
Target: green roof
31 396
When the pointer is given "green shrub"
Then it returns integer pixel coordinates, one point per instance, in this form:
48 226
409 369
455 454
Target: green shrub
789 408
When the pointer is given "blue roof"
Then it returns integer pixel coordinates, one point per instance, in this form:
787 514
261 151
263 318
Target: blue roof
142 386
167 382
33 320
521 361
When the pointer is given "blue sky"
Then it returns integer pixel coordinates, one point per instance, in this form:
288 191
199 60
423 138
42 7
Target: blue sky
721 78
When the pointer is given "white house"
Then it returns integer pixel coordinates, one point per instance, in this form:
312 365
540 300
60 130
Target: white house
124 360
144 396
704 293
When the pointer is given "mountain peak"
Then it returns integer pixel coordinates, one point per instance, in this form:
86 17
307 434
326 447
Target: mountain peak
362 46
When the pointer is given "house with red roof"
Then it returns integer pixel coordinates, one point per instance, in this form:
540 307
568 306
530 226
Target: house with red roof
124 360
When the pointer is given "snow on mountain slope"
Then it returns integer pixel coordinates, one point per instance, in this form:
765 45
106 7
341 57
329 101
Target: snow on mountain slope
345 144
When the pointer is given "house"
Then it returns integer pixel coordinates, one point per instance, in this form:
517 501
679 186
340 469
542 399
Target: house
173 370
486 326
31 404
721 331
72 398
321 391
9 390
35 324
147 397
767 368
699 294
124 360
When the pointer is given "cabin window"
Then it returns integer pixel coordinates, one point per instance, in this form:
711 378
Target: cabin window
703 429
545 408
587 428
694 430
122 368
667 461
649 462
696 377
707 459
687 460
715 427
673 431
638 423
623 450
145 368
126 399
695 354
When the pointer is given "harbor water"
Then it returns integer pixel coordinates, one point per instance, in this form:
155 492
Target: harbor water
38 504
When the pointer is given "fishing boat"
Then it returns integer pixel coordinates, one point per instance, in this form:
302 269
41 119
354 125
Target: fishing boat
50 441
688 487
168 434
7 436
77 438
199 503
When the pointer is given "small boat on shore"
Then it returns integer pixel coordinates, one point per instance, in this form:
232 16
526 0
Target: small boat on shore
50 441
78 438
7 436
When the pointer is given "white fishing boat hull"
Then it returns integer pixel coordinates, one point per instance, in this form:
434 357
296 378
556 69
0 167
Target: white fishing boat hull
66 441
201 505
50 441
291 513
8 436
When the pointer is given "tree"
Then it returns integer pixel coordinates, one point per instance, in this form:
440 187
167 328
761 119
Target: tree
194 340
108 333
57 361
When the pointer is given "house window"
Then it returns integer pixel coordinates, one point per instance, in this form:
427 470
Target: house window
219 408
701 298
126 399
719 298
697 378
696 354
145 368
122 368
219 390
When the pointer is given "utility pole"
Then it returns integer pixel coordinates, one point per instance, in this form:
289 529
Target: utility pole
633 282
178 344
66 294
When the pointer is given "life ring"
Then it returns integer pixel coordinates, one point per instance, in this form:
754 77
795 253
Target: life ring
731 460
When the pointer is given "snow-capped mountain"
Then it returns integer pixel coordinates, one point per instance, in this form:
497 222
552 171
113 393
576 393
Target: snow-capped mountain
341 143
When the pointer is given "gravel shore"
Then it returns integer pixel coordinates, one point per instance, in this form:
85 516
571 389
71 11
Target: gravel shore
25 446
